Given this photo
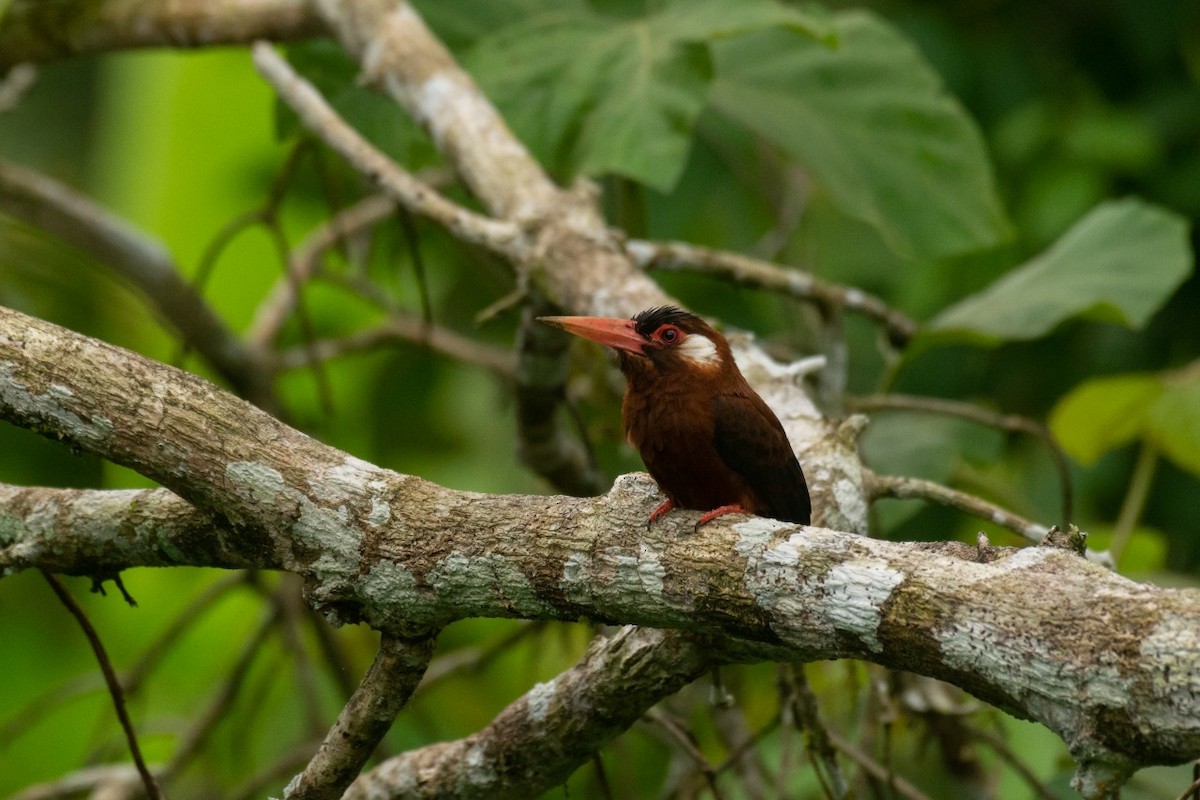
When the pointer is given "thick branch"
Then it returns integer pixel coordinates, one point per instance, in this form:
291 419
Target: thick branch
38 31
1111 666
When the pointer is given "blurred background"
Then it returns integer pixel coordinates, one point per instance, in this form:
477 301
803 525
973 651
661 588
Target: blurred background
1076 103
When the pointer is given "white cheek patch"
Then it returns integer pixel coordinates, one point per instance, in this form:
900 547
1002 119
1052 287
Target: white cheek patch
699 350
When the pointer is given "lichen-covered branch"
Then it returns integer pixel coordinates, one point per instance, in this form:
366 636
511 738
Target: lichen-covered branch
1112 666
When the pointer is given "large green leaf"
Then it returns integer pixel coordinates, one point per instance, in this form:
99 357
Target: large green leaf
1173 422
871 122
1105 413
601 94
1120 263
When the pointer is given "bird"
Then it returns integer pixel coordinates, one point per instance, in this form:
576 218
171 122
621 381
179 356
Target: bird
706 437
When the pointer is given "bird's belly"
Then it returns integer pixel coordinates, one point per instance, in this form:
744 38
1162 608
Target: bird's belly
689 471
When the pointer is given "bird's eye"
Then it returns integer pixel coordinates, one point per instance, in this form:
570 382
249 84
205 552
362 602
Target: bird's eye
669 334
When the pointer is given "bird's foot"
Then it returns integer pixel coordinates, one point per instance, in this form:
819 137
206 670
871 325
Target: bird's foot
720 511
658 513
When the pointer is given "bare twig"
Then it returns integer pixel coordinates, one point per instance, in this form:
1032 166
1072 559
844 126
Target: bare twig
903 488
539 739
876 770
13 86
384 691
1009 757
503 238
801 704
194 740
758 274
114 685
1006 422
1135 498
683 739
88 779
408 330
274 310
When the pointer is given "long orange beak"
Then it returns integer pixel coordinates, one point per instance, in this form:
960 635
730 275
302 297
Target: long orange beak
618 333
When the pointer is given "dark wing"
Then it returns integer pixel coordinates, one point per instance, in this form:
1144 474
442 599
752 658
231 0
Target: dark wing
749 438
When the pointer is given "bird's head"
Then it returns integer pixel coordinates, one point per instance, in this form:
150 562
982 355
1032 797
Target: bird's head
658 340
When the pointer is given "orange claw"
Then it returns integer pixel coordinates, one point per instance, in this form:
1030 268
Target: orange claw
657 514
720 511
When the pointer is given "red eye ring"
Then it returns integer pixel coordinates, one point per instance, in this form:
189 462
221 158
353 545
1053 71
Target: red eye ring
669 334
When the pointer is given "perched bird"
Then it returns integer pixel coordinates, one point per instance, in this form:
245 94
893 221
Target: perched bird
706 437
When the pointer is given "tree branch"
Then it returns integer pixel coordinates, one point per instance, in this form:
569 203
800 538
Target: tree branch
497 236
37 31
544 736
758 274
1118 680
384 691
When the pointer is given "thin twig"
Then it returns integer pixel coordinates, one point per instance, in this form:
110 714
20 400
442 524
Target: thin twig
14 85
801 702
683 737
543 445
1006 422
755 273
1009 757
876 770
904 488
1135 498
195 737
110 677
278 305
407 330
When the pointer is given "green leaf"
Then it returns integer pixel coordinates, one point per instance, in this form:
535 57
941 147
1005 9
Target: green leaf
1120 263
1102 414
1173 422
872 123
600 94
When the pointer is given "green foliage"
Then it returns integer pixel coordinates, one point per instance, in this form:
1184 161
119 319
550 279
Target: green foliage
871 123
598 94
823 138
1118 264
1105 413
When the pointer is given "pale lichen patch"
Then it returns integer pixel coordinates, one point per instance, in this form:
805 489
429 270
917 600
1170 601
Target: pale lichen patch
381 512
479 770
854 595
12 529
650 570
53 405
1173 643
539 699
259 483
475 583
